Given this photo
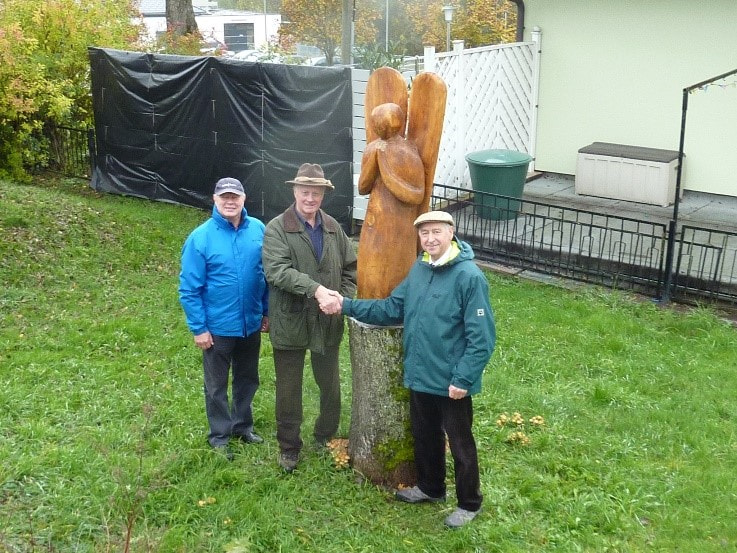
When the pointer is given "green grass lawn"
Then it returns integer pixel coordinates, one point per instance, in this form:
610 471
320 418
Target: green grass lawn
102 426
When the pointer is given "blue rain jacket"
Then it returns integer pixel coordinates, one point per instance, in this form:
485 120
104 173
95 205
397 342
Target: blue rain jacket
222 287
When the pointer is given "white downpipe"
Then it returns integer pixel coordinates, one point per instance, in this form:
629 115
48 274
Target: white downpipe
459 99
537 39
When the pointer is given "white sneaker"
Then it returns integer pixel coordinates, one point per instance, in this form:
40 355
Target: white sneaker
460 517
416 495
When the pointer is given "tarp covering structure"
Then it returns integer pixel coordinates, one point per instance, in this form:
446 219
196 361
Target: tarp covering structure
168 127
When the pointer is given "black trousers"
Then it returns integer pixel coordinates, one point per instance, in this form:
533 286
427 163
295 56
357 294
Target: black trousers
242 355
433 417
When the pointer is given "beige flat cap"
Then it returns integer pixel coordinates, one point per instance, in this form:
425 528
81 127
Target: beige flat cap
434 217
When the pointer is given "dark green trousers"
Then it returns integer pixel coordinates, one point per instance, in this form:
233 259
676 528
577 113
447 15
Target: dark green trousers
289 367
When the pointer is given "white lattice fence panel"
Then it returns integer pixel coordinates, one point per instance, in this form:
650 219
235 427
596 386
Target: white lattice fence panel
448 66
501 106
494 109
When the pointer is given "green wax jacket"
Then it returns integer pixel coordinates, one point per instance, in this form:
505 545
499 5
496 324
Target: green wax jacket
294 273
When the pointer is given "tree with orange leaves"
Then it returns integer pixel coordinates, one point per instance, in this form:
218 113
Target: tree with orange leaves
319 23
476 22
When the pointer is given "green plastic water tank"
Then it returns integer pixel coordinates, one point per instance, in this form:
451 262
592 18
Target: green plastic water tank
500 172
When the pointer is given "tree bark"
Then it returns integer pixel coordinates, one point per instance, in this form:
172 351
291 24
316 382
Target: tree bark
180 17
380 442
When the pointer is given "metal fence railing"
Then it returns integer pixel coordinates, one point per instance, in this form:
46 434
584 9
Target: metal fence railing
592 247
71 150
588 246
706 266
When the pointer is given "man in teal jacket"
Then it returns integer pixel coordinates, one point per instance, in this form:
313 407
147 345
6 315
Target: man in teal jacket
223 292
449 337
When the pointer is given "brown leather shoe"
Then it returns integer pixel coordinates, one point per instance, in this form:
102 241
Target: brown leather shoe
288 461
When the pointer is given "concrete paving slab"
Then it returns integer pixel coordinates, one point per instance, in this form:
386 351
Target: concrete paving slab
694 208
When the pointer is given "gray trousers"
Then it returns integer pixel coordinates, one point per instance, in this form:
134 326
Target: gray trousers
289 367
234 418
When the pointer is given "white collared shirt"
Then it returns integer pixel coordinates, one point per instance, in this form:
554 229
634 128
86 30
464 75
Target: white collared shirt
443 259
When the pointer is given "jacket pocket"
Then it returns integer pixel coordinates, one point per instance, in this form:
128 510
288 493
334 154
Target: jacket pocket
296 305
289 323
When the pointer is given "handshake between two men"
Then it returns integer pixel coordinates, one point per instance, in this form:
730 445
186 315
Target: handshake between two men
330 301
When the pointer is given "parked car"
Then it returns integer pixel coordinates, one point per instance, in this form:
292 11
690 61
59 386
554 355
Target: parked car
211 45
321 61
268 57
246 55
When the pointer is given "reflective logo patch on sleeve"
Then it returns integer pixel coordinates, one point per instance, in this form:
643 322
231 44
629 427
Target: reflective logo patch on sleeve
480 312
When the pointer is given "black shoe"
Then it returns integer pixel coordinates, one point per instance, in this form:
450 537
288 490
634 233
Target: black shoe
250 437
225 451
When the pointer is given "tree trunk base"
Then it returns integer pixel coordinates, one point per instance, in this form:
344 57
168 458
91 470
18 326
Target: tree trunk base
380 442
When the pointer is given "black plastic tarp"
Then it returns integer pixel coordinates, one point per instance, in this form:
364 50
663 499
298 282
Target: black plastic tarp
168 127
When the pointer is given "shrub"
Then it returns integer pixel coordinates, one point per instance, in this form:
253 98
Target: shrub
44 69
372 56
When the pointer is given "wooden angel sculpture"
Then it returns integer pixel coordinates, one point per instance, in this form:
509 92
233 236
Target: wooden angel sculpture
398 172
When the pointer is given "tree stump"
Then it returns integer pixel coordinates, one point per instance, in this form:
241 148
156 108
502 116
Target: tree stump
380 441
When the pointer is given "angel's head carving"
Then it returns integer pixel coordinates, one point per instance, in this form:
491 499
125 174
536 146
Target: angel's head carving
388 120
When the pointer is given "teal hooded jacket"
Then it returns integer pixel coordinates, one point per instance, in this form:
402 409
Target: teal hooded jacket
449 331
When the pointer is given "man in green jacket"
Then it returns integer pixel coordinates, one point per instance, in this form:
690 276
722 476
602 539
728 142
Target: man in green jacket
449 336
307 259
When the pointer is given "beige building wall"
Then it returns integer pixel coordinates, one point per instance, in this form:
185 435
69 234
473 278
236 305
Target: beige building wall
615 70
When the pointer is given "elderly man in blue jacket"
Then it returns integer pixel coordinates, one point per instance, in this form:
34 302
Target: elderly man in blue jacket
449 336
223 292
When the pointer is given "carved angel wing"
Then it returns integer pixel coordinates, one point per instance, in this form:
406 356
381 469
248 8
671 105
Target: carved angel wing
384 85
425 127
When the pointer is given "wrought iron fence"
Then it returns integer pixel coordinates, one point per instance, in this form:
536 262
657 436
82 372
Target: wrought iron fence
706 266
588 246
71 151
593 247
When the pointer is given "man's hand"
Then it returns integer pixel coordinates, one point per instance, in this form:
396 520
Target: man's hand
456 393
264 324
330 301
204 340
